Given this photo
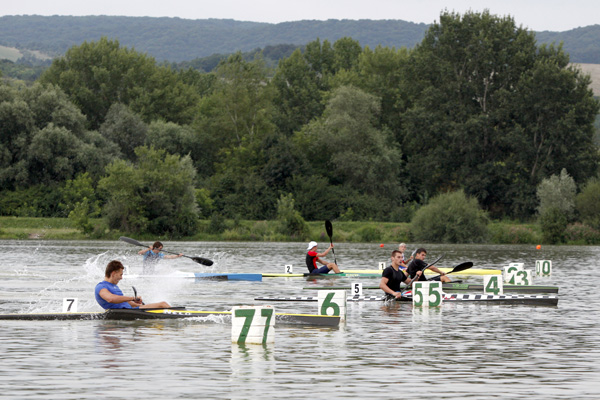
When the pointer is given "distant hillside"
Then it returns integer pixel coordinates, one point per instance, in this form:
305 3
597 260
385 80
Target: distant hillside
582 44
177 40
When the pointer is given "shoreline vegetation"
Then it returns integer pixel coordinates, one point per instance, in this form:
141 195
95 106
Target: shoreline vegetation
27 228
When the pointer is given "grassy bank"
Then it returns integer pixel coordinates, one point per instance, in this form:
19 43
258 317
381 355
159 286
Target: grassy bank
242 230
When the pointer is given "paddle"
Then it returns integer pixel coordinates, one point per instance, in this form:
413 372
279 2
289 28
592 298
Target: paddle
460 267
135 294
199 260
329 230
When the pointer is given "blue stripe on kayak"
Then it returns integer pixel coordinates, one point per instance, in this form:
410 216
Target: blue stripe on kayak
230 277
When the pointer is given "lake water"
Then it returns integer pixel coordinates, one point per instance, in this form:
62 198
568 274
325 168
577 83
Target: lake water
382 351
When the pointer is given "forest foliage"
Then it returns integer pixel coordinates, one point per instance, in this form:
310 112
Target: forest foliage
335 131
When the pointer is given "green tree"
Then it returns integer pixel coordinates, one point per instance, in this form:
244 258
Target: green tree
184 140
124 128
96 75
80 202
346 53
491 113
298 98
239 110
558 193
321 58
351 149
291 221
553 223
156 194
382 73
43 138
450 218
587 203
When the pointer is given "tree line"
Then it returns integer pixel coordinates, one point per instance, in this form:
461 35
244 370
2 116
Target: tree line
335 130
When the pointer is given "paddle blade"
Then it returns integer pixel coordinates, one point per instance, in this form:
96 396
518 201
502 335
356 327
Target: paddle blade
203 261
131 241
462 267
329 228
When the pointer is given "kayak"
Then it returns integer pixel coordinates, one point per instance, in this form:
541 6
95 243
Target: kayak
462 287
376 273
521 299
204 276
126 314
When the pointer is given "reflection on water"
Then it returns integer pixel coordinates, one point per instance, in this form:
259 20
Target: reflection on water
384 350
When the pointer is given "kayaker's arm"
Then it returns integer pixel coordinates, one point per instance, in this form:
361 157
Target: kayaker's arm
437 270
116 299
383 286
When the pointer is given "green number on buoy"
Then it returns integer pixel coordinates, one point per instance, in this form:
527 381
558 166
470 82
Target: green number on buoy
492 286
327 303
248 317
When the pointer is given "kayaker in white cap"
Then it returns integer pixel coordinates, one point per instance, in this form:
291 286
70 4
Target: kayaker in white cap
312 257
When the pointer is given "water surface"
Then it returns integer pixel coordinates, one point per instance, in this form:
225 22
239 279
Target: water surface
383 351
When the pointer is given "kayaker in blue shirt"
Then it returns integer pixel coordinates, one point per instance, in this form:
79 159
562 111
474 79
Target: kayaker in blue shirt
108 294
152 255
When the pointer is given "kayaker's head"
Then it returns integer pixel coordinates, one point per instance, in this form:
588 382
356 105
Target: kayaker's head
114 271
420 254
311 245
157 246
396 257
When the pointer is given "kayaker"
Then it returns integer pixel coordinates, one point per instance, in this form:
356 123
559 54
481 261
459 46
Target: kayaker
108 294
392 276
419 264
312 257
151 257
402 249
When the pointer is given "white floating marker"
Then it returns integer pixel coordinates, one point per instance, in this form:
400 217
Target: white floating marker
381 266
69 305
357 289
427 294
492 284
543 267
332 302
523 277
510 270
253 325
289 269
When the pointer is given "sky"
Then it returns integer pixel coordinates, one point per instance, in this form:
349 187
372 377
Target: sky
536 15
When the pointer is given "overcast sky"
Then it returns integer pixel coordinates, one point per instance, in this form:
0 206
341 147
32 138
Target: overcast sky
537 15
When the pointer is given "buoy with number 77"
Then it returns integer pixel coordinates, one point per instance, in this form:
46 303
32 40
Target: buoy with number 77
253 324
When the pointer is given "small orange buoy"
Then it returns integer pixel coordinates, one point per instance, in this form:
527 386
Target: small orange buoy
539 246
381 245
